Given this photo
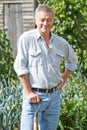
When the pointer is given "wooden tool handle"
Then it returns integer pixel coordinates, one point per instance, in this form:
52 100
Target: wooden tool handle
35 122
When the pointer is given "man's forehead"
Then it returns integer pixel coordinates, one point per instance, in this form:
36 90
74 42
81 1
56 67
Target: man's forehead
44 13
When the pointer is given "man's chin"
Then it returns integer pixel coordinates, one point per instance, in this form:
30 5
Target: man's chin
44 31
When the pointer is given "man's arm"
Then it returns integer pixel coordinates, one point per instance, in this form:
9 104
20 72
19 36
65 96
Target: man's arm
65 78
33 98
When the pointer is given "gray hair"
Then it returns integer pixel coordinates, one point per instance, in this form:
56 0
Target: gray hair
44 8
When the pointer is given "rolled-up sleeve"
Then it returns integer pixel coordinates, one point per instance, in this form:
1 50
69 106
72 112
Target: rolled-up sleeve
71 59
20 64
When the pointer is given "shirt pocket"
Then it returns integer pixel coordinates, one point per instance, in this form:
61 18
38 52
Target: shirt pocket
35 58
58 58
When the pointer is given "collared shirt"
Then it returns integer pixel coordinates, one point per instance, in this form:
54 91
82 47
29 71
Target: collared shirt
43 63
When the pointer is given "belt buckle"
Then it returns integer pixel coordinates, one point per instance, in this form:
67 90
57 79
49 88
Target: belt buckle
46 90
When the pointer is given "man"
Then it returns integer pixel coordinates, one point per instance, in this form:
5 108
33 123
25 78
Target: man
37 65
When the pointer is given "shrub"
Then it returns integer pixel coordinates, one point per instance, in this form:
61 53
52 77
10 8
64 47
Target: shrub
74 104
10 96
7 74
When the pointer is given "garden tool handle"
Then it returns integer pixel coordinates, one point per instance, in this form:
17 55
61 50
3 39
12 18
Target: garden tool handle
36 117
35 121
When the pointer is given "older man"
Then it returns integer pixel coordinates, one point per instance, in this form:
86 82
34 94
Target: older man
38 66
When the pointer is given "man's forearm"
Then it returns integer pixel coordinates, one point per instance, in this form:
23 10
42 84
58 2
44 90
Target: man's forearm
33 98
24 79
66 75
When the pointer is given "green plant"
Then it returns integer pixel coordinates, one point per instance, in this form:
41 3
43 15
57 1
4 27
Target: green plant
7 74
74 104
10 107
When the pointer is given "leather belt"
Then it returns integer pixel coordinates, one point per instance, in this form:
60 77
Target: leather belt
51 90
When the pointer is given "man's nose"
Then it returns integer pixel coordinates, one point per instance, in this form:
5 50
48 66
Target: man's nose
45 22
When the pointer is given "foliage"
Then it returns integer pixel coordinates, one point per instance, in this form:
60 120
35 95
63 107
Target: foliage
10 107
74 104
6 60
9 95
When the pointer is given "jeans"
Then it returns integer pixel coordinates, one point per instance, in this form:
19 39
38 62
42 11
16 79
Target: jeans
48 111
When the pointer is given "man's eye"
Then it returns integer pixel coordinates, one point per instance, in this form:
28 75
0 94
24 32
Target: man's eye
49 20
42 20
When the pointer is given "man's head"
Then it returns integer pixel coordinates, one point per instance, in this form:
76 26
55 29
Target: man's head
44 8
44 18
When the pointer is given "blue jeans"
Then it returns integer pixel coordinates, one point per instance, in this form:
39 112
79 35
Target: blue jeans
48 111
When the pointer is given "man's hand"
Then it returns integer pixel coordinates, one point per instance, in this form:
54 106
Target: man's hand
33 98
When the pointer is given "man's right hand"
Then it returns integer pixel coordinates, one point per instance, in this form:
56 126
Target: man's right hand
33 98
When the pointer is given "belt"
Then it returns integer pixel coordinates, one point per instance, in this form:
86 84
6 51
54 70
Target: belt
51 90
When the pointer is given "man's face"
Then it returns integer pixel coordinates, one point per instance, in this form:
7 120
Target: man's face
44 22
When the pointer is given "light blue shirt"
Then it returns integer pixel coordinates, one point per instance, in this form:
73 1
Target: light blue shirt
43 63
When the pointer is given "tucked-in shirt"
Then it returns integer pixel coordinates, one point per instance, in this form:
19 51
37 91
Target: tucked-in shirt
42 63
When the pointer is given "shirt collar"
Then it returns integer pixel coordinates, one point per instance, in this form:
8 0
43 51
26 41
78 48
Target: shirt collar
38 35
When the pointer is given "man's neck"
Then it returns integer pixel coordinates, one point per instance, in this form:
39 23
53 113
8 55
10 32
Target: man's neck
46 37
